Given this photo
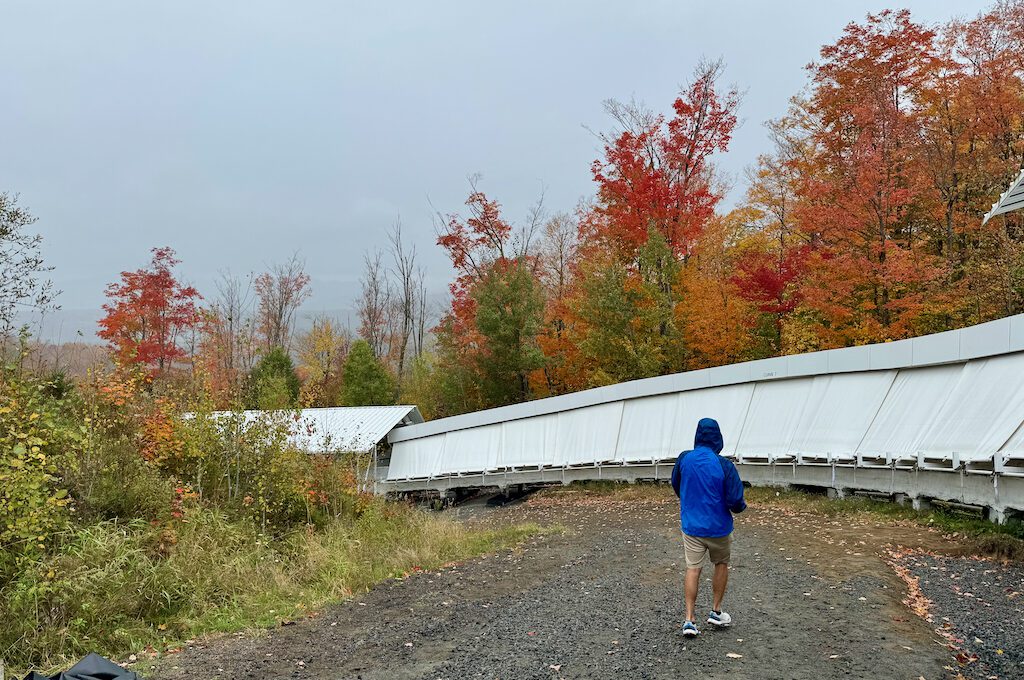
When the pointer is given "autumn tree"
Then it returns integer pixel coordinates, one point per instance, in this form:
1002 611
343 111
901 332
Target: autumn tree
972 142
656 174
280 292
558 258
22 286
715 318
771 248
862 116
484 248
229 347
626 326
374 304
321 352
149 313
424 387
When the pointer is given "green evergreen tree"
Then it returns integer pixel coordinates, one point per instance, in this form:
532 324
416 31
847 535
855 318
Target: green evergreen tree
273 383
367 381
509 317
628 312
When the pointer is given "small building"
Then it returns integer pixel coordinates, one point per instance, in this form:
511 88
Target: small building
348 429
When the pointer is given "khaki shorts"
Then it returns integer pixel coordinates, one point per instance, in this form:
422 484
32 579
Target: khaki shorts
697 549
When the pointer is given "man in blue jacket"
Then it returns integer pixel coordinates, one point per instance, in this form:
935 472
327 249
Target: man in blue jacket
709 490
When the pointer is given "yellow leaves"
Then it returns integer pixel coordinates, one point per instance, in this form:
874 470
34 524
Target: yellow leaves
712 317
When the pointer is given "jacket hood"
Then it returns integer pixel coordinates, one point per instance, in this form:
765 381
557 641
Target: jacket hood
709 435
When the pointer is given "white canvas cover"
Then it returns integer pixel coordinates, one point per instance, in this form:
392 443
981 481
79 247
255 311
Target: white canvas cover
914 398
588 435
983 410
416 458
838 412
528 442
728 405
402 460
1010 459
474 449
1015 444
773 417
647 428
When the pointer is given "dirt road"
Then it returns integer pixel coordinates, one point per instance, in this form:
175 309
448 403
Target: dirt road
810 597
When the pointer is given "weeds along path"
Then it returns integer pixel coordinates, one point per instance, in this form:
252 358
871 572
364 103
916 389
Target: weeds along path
810 595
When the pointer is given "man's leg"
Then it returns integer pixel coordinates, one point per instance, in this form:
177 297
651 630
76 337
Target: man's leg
692 583
720 550
694 551
718 584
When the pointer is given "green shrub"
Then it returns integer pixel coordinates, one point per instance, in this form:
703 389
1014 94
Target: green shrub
37 442
245 465
112 481
273 383
127 523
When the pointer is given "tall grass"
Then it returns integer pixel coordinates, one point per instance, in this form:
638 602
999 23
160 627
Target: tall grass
119 587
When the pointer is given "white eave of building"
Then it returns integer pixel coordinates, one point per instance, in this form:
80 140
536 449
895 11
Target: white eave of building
343 429
1010 200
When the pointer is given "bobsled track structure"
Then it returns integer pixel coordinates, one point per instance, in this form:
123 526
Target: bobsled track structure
933 418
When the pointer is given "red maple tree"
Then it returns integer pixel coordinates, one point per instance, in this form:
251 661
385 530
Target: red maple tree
148 313
656 174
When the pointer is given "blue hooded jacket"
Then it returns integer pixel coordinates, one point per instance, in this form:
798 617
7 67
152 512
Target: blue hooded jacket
708 485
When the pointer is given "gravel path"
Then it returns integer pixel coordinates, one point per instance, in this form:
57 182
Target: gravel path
979 606
604 600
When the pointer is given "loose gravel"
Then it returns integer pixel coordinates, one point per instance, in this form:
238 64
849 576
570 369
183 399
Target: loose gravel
978 605
603 599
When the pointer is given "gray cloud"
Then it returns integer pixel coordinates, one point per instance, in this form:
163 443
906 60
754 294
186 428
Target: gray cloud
238 132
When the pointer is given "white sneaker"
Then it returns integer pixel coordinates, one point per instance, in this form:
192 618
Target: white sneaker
719 619
690 629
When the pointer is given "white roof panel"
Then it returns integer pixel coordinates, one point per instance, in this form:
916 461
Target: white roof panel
345 428
1012 199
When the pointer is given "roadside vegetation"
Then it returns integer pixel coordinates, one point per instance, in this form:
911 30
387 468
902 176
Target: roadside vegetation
128 526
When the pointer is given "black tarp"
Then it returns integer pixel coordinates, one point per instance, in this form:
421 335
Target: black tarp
92 667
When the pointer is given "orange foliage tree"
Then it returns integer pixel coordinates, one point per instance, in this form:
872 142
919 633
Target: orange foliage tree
149 314
862 225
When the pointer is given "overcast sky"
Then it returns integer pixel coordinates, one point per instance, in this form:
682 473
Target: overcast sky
238 132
